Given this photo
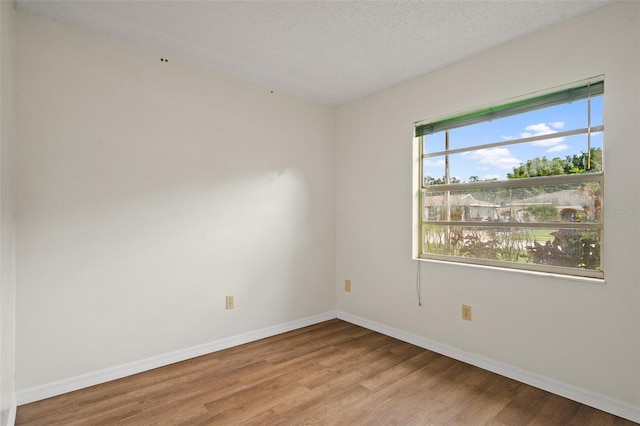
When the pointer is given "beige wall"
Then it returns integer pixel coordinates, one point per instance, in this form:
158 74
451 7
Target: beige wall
7 224
147 192
575 332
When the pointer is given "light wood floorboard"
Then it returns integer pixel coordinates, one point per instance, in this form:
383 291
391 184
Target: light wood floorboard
333 373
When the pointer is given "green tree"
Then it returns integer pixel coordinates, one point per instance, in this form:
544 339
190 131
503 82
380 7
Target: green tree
571 164
583 162
430 180
539 167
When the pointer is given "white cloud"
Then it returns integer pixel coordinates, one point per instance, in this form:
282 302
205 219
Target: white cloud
561 147
496 157
557 124
541 129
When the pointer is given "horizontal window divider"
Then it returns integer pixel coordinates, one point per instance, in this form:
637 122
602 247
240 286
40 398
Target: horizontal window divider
517 183
523 225
585 130
565 270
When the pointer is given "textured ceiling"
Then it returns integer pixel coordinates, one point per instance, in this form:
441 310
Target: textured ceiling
328 51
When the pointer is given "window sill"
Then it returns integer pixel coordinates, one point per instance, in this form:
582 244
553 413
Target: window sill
546 275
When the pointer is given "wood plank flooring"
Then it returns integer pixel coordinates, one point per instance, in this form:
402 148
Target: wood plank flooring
333 373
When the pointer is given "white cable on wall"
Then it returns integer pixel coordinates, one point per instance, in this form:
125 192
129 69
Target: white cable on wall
418 289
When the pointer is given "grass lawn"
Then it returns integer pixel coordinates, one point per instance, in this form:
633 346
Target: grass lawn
541 235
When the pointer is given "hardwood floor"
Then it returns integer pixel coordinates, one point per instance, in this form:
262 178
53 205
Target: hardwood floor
333 373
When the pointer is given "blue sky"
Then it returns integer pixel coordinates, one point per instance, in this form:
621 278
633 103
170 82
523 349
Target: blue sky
497 162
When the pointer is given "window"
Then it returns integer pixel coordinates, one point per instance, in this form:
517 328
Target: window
517 185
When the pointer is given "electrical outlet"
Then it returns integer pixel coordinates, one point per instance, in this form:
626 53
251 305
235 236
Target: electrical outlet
347 286
230 302
466 312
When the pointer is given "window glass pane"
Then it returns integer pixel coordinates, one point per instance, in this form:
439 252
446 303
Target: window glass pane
562 203
504 215
540 122
554 156
568 247
459 206
434 142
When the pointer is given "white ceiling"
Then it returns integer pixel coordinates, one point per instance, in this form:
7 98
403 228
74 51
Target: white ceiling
328 51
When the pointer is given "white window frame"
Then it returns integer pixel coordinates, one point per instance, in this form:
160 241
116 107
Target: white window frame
426 127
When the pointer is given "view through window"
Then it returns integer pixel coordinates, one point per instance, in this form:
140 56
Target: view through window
518 185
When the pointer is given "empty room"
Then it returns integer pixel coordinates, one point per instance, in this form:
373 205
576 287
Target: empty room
319 212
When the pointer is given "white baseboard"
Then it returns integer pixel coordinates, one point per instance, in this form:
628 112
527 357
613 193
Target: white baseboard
592 399
60 387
